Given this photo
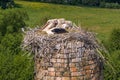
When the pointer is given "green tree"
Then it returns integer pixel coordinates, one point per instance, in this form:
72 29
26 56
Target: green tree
12 21
6 4
91 2
13 65
12 42
114 40
113 1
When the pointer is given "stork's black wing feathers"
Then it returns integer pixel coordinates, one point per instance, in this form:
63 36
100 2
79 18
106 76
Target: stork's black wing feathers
59 30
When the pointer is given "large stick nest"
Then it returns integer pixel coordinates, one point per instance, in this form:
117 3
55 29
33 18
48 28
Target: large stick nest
44 45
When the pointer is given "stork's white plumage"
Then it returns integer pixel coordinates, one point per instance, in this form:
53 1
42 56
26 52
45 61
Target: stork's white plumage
56 26
49 26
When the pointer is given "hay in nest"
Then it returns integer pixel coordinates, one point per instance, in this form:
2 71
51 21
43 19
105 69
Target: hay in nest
42 44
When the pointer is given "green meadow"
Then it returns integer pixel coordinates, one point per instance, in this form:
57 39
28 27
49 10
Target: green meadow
99 20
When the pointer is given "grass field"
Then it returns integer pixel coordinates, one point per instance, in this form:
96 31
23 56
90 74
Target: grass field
98 20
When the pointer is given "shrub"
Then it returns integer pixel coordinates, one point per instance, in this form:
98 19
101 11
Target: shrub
91 2
12 42
113 74
12 21
102 4
112 1
15 67
110 5
6 4
114 40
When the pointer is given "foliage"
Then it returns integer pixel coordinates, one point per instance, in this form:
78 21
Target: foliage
110 5
113 46
13 65
6 4
114 40
91 2
114 59
113 1
100 3
12 42
12 20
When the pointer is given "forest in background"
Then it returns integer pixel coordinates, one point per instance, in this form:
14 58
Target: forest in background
98 3
15 64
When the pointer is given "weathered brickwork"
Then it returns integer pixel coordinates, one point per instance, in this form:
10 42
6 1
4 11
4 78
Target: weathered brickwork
70 66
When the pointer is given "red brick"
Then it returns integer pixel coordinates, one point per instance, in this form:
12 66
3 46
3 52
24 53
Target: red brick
82 73
74 69
51 78
53 60
64 65
51 69
62 60
88 72
58 78
37 66
76 60
59 56
60 69
57 65
65 78
51 73
81 78
87 67
87 77
60 65
72 64
58 74
74 78
66 74
58 60
75 74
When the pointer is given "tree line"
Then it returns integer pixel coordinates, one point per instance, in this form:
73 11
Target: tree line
99 3
76 2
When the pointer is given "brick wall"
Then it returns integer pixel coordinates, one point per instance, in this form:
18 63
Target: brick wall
75 65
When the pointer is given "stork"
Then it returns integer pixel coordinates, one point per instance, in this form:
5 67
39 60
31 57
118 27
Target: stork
57 26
